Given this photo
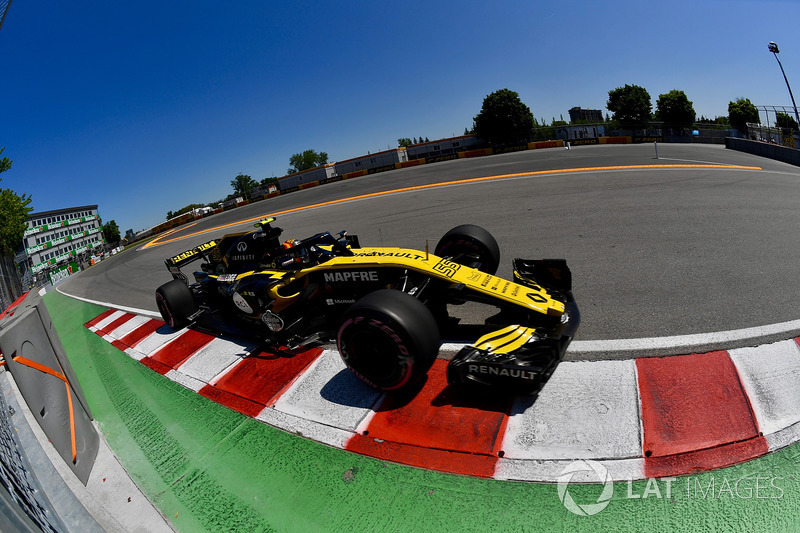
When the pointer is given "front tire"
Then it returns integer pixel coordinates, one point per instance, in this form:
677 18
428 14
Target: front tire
175 303
388 339
470 245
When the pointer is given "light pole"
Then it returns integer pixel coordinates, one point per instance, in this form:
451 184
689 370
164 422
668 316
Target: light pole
774 49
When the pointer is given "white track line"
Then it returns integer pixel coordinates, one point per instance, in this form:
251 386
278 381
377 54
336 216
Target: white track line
687 342
684 341
134 310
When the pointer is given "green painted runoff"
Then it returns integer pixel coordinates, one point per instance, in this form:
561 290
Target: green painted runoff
208 468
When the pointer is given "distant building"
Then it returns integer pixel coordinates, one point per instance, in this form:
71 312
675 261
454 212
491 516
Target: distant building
585 115
580 132
378 160
442 147
57 242
310 175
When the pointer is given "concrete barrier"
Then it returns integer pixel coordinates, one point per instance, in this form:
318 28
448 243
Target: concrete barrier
475 153
34 355
356 174
412 163
546 144
763 149
616 140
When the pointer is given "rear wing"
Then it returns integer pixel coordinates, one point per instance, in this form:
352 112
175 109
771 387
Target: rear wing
175 263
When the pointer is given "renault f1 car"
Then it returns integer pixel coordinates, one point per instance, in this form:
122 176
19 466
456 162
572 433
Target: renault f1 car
386 308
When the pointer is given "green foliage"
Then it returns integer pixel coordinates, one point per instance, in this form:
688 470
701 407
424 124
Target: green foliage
543 133
740 112
272 180
675 109
243 183
306 160
504 119
630 105
716 122
5 163
404 141
782 120
13 214
111 232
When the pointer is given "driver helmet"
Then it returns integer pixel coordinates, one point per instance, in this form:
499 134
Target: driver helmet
294 257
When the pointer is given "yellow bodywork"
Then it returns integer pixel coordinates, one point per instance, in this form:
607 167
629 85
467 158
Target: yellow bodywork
365 258
505 340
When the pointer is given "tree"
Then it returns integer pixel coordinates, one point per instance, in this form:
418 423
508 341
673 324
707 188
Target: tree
782 120
740 112
270 181
306 160
630 104
13 215
111 232
242 183
674 109
404 141
504 119
5 163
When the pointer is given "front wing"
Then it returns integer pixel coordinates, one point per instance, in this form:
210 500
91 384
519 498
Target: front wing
517 358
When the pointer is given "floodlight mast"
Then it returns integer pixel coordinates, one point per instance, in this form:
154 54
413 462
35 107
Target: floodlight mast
5 11
773 47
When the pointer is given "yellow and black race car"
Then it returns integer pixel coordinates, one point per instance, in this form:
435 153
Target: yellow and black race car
386 308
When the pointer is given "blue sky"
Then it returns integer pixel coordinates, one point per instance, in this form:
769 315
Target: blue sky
145 107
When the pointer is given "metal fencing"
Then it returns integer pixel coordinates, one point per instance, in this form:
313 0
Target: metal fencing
10 286
770 128
20 483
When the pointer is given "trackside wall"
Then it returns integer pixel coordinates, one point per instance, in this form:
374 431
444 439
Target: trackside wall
772 151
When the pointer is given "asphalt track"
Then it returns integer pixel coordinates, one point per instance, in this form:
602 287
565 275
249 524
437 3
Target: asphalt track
695 251
209 468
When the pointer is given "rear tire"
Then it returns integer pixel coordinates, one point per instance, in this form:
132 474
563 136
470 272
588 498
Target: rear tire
175 303
388 339
469 244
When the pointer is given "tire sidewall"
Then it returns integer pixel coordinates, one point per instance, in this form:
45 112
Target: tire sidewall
175 303
401 326
165 310
404 364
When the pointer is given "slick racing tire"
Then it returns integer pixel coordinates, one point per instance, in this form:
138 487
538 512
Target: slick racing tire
469 244
175 303
388 339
